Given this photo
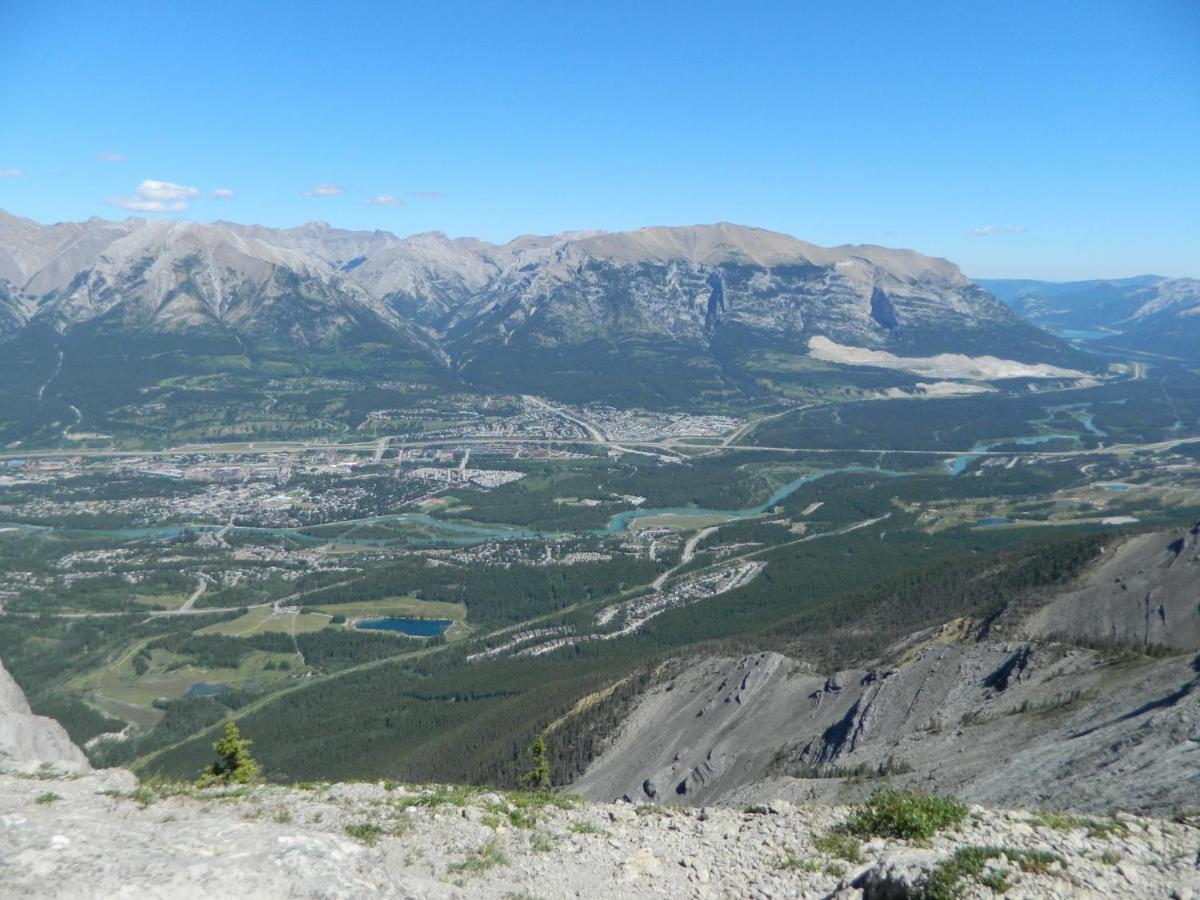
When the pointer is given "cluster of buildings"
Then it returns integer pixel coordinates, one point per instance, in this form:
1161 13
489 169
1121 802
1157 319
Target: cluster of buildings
646 425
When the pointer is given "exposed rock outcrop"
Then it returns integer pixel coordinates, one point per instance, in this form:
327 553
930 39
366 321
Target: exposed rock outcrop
29 742
1023 716
76 838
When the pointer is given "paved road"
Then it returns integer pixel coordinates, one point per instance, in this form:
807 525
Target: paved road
195 595
259 449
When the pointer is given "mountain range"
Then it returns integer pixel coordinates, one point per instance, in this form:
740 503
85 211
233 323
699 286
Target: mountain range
713 303
1147 312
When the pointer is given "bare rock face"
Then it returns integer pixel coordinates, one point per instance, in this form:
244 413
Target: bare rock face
29 742
1030 719
1142 591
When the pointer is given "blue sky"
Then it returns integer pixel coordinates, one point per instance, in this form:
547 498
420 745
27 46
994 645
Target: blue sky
1047 139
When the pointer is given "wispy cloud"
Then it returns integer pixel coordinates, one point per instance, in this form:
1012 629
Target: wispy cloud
988 230
224 193
11 173
325 190
427 195
157 196
111 157
384 200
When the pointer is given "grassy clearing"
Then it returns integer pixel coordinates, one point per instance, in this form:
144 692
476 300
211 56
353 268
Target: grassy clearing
160 601
119 690
395 606
259 620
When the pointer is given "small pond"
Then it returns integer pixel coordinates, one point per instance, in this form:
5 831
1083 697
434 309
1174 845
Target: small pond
411 627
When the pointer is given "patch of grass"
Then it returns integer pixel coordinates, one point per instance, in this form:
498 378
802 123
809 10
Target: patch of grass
586 828
540 799
894 813
283 816
47 798
1096 828
489 855
790 862
442 795
521 819
151 790
946 882
840 845
542 842
1036 862
651 809
367 832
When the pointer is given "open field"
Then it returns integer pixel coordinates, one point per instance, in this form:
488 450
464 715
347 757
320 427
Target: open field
396 606
286 620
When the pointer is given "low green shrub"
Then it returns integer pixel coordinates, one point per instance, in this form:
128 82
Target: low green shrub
894 813
946 882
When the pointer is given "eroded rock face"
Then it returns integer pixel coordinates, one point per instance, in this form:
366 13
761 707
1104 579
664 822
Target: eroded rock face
1027 717
29 742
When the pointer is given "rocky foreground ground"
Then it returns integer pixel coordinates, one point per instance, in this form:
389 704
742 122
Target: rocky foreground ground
101 834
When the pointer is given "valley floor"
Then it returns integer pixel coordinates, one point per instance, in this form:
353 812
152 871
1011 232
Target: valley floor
101 835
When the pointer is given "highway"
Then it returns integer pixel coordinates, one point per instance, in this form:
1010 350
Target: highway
258 448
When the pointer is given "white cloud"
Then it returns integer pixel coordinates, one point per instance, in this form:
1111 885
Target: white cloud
11 173
165 190
986 230
384 200
427 195
224 193
157 196
325 190
111 157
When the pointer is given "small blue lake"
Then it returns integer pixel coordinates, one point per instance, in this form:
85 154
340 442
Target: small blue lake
411 627
992 522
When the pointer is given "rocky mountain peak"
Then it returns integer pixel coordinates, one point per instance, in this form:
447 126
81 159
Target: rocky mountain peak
682 286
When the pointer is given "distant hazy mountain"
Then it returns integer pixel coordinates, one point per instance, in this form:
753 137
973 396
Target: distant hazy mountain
664 306
1148 312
